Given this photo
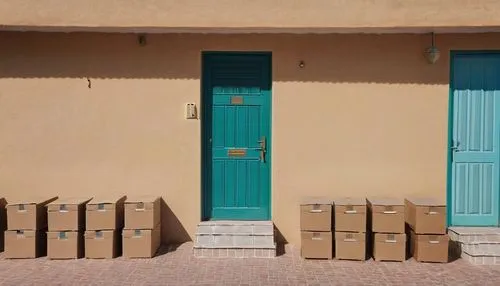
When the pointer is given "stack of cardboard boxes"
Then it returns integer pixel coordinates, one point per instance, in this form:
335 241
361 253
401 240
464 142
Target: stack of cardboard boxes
350 229
390 222
316 228
27 226
142 233
66 219
104 223
426 219
386 218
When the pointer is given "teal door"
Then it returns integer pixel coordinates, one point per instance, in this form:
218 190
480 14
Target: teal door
236 135
474 145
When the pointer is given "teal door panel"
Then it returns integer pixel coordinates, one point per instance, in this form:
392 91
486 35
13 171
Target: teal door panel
237 103
474 146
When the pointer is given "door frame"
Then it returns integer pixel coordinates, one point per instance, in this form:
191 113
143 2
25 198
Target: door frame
206 123
449 175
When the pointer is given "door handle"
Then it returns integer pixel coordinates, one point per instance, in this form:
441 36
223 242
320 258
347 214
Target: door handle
454 148
262 148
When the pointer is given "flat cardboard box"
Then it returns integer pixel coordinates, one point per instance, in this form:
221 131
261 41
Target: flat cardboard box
3 221
316 245
25 243
426 216
67 214
141 243
102 243
389 246
316 214
350 245
386 215
429 247
142 212
350 214
64 244
28 213
105 213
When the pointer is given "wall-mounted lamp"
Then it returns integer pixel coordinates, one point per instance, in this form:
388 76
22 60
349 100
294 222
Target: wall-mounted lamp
432 53
302 64
141 39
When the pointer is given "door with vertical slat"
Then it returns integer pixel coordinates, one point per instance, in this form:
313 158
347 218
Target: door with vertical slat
237 90
474 148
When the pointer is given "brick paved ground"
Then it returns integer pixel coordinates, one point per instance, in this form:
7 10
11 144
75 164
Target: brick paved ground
179 267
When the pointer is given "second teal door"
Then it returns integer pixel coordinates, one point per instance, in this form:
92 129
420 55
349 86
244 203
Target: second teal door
237 137
475 138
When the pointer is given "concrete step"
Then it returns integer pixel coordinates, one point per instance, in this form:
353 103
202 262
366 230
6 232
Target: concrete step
474 234
482 249
478 245
236 228
235 239
481 259
233 253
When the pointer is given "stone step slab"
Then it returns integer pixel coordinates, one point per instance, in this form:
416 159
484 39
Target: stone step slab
481 249
474 235
234 241
481 260
238 228
477 245
245 239
233 253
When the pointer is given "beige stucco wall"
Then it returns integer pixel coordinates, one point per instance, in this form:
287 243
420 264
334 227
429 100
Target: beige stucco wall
250 14
366 116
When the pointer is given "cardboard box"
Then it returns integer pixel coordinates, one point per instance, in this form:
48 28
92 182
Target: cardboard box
142 212
389 246
429 247
350 245
28 214
350 214
426 216
316 245
25 243
141 243
67 214
64 244
102 243
316 214
105 213
3 221
386 215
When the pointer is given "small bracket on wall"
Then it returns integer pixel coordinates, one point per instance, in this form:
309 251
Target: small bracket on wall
191 112
141 39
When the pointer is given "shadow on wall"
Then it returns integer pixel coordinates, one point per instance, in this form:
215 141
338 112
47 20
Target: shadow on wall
172 231
390 58
280 241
